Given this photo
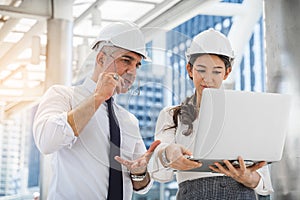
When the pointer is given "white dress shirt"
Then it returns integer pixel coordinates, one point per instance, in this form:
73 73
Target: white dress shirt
162 174
81 164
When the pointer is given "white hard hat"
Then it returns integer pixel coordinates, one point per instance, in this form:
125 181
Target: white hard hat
36 194
210 42
125 35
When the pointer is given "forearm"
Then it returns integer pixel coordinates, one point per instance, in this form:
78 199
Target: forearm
80 116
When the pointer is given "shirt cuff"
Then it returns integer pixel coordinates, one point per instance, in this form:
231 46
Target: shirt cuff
145 189
68 133
264 187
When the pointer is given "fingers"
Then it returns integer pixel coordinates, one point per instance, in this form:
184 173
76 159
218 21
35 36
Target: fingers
116 76
236 172
153 146
176 155
138 166
258 166
151 149
214 168
186 151
109 77
120 84
108 83
182 163
242 163
222 169
255 167
124 162
176 151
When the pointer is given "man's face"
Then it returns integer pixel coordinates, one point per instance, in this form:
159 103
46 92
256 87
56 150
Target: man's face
124 63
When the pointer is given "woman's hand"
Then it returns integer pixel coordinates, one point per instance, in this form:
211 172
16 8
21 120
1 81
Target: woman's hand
176 155
248 176
139 166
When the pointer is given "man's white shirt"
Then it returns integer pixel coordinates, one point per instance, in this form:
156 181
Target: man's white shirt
81 164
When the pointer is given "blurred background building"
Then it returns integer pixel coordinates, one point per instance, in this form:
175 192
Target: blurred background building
44 42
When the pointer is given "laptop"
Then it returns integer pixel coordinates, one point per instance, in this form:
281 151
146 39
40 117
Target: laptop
239 123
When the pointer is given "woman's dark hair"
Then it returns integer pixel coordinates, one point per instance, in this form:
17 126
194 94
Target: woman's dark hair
190 110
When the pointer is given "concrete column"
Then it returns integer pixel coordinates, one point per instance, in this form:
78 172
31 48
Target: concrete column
59 44
282 28
59 52
58 66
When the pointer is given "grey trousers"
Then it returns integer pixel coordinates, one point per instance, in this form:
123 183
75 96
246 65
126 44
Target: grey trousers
214 188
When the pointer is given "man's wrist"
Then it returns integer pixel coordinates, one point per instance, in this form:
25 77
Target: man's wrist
138 177
98 100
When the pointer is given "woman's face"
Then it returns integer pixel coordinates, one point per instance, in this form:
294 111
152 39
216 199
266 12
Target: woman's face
208 71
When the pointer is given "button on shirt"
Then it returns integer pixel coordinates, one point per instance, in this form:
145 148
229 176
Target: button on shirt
162 174
81 164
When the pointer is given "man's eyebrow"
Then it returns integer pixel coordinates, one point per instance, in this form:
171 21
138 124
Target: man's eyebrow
131 58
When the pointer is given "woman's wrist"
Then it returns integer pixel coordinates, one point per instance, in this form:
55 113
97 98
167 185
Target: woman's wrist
254 180
164 159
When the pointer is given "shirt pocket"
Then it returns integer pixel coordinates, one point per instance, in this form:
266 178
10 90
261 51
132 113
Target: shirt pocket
128 146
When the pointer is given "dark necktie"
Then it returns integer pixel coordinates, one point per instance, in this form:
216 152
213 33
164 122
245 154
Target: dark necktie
115 187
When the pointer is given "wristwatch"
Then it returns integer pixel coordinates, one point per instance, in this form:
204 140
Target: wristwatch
164 159
139 177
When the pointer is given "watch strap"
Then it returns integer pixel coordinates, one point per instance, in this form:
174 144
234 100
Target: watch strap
138 177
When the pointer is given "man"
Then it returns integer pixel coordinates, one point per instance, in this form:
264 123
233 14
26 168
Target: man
76 124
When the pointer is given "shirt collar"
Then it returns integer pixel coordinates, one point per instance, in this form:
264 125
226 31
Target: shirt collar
90 85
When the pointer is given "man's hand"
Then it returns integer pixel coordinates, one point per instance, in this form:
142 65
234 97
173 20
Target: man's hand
107 84
139 166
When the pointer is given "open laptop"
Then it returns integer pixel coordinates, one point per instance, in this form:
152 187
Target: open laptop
238 123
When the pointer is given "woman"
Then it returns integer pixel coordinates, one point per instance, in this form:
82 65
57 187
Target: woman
210 58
